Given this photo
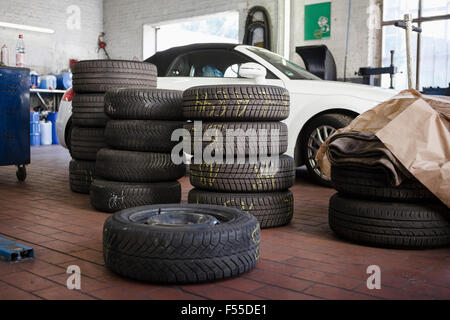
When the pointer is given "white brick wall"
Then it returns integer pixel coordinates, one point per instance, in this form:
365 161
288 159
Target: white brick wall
123 23
47 53
124 20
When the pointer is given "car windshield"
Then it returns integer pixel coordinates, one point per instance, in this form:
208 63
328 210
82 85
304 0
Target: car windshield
288 68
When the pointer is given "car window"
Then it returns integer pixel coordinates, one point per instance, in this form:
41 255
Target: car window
216 63
288 68
232 71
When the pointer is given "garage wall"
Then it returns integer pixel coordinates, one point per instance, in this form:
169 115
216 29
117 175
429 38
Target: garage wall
124 20
48 53
360 39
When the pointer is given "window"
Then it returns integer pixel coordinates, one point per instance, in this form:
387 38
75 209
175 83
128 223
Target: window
216 63
287 67
433 67
220 27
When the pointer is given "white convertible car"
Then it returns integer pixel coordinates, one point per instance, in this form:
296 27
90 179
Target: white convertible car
318 107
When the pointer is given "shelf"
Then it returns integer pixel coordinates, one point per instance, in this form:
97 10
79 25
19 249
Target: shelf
47 91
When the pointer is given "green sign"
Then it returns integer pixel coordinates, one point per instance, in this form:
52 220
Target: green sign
317 21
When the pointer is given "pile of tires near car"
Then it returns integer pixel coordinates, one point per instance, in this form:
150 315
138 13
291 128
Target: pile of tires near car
121 149
251 181
368 210
136 168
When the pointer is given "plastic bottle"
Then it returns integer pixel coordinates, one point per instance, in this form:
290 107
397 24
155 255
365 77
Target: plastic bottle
5 55
20 52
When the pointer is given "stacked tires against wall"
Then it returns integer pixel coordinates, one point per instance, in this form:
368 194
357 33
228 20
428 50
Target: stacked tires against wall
251 187
136 168
367 209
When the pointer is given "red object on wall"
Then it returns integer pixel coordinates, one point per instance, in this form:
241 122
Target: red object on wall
71 62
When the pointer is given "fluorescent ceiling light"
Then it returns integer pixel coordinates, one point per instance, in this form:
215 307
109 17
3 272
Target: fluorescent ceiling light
24 27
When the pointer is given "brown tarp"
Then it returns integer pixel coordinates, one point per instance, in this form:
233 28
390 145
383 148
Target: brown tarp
414 128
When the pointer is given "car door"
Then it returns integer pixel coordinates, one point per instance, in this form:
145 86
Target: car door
209 67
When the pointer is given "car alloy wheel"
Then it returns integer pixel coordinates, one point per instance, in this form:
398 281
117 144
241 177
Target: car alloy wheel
315 140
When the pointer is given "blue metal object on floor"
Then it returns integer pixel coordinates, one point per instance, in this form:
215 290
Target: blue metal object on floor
14 252
15 118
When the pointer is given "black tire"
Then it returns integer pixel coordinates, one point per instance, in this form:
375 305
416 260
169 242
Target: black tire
86 142
390 224
133 166
236 103
81 175
142 135
244 177
144 104
256 132
181 254
374 185
335 121
103 75
88 110
112 196
68 134
271 209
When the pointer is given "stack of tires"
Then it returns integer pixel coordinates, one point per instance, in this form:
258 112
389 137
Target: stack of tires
246 185
367 209
91 79
136 168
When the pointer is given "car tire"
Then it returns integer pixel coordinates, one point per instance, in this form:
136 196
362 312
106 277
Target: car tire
81 175
183 253
68 134
133 166
86 142
271 209
258 130
112 196
390 224
236 103
142 135
88 110
309 144
374 185
144 104
244 177
96 76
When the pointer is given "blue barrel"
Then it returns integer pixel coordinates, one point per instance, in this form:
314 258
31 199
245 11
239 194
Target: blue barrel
52 117
35 129
63 80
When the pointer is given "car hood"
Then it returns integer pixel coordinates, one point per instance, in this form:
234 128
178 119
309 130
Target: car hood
323 87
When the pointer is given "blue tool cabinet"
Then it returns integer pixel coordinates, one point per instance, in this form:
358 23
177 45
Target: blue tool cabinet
15 118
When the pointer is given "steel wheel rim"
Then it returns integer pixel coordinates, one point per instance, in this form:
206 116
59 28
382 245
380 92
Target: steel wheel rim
315 140
180 217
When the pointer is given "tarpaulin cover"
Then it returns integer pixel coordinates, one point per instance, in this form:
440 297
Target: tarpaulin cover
414 128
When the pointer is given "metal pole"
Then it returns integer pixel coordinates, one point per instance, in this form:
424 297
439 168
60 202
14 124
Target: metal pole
419 45
392 66
409 57
346 41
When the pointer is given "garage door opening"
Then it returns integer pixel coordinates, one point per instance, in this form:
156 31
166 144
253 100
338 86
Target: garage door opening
221 27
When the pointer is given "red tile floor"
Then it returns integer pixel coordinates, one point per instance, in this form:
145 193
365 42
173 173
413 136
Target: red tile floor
303 260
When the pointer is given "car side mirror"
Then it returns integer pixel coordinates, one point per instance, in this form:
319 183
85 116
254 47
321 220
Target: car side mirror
252 70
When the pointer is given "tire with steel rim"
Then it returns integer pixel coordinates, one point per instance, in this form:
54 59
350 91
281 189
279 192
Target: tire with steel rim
181 243
316 133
